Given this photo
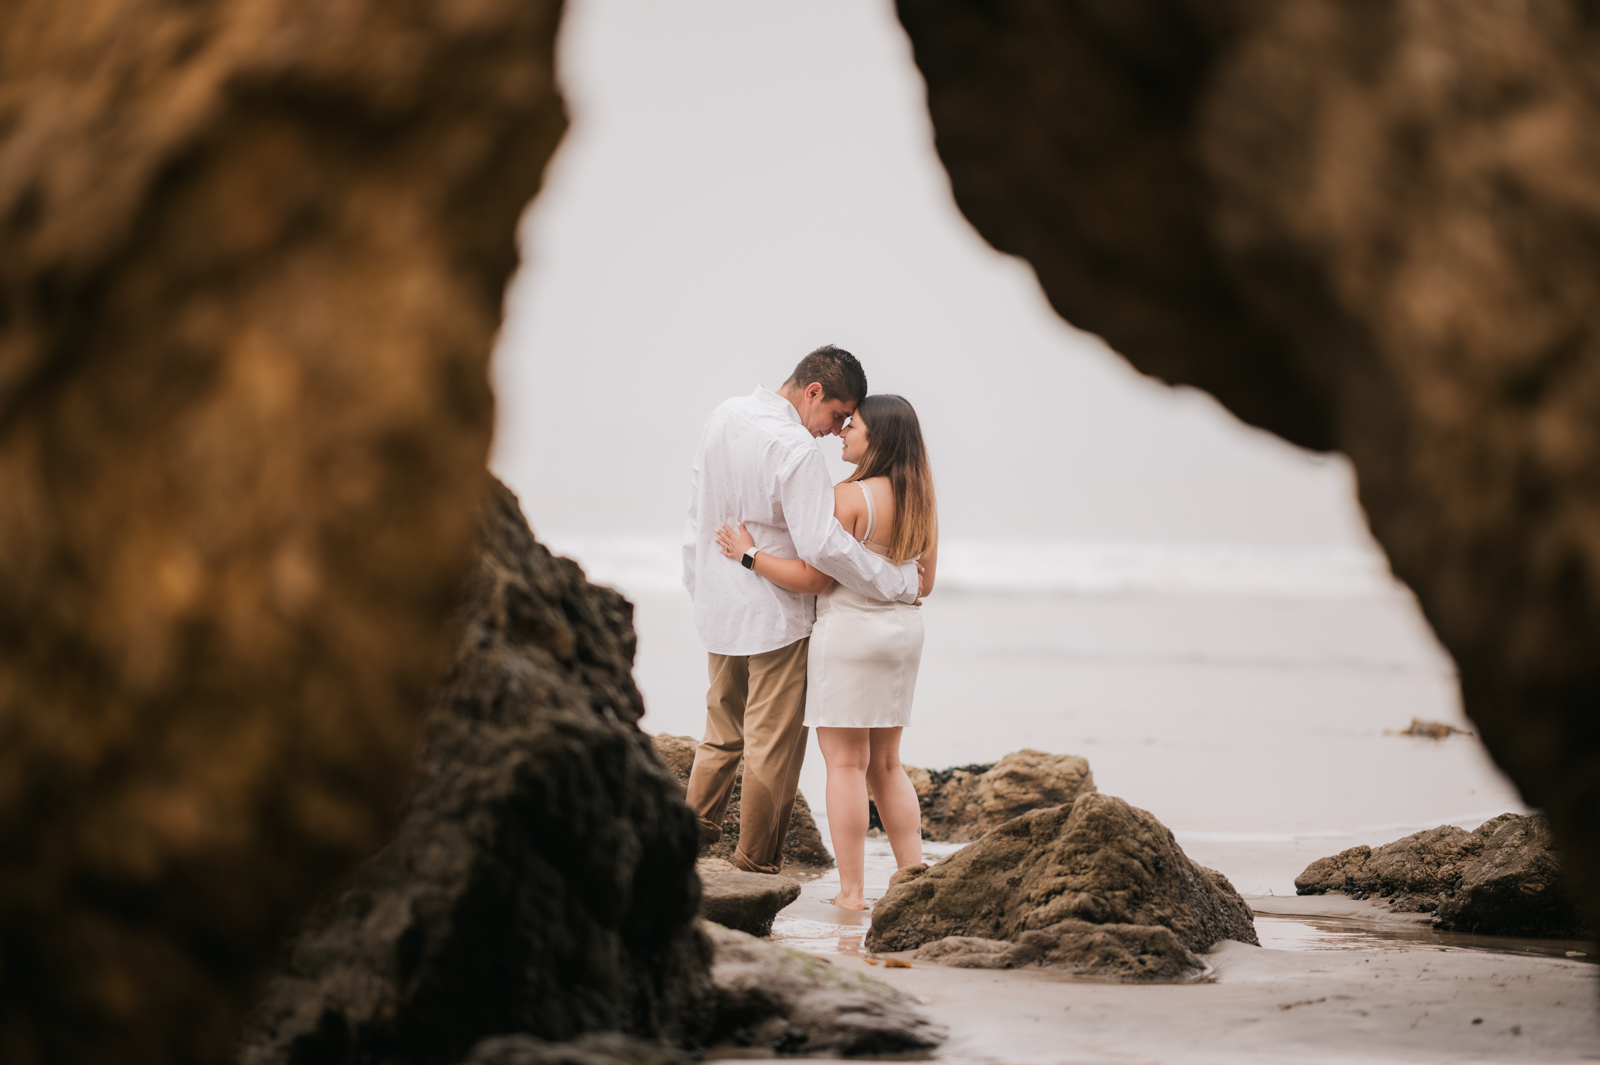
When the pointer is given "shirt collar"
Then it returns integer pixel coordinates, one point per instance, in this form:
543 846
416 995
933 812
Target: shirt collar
777 402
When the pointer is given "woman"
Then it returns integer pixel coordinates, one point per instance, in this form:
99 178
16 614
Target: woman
863 658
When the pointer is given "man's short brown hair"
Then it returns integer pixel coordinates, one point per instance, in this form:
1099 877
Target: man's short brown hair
836 370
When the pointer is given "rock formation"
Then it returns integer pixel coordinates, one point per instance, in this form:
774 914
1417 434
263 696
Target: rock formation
1098 887
542 881
607 1048
1364 227
962 803
744 902
255 252
802 846
790 1002
1501 878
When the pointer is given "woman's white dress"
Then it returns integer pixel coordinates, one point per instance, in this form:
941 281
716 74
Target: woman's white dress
862 666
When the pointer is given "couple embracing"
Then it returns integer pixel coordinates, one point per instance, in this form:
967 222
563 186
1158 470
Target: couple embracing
806 598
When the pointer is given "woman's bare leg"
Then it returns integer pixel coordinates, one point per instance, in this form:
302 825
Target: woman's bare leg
896 798
846 750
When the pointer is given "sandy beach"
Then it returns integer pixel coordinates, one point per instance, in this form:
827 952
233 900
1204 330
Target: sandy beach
1335 980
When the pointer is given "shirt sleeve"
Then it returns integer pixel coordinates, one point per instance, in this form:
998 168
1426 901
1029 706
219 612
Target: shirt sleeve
807 498
691 528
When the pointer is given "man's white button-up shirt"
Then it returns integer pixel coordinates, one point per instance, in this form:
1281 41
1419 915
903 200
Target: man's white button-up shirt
758 464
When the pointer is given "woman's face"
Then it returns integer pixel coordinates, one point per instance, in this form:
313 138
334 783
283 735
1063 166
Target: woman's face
854 435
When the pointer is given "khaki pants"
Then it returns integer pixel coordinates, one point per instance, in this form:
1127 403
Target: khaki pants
755 709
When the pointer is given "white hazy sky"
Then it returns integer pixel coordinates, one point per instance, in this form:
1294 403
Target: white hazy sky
744 181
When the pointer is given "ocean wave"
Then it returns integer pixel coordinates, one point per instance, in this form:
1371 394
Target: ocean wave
1045 567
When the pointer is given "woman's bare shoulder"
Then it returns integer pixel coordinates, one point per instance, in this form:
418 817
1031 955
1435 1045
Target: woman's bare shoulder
847 498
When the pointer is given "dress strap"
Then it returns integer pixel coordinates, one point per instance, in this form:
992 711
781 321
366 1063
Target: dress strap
872 511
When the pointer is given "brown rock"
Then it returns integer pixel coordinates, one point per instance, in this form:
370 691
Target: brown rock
745 902
254 257
1365 227
791 1002
543 879
964 802
803 845
604 1049
1433 730
1502 878
1098 887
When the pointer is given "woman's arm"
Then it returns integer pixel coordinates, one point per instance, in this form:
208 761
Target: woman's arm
789 573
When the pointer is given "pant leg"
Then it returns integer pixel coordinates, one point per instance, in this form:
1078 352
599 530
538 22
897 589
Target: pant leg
775 747
716 759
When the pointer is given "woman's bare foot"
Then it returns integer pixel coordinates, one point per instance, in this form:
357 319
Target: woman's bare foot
855 903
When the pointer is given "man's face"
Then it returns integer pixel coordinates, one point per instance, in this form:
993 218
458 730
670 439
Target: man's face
823 417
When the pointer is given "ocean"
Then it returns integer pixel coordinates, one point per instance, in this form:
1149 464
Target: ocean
1250 698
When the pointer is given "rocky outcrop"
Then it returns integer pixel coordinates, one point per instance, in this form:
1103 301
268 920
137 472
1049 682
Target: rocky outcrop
745 902
1365 227
542 881
789 1002
1501 878
803 845
254 258
1098 888
962 803
607 1048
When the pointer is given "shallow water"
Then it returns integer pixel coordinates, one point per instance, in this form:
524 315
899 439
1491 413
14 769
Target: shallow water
1262 731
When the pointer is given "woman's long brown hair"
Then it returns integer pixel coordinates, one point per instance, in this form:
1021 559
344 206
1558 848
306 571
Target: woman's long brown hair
895 450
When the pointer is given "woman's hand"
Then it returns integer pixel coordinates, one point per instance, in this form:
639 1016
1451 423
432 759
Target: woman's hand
734 544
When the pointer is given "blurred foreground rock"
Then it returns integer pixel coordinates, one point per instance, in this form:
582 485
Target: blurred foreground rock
802 846
790 1002
254 259
745 902
962 803
543 879
1098 888
1364 227
1502 878
606 1048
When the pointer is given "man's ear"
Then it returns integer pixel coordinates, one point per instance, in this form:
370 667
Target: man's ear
813 391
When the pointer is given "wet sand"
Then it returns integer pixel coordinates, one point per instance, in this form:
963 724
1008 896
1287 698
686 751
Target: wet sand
1336 980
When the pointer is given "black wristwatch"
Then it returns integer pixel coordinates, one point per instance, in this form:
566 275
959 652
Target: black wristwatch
749 559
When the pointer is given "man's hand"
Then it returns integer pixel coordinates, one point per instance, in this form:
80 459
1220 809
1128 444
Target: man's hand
922 582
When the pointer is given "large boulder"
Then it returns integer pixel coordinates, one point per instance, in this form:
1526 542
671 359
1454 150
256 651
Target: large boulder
803 845
961 803
1098 888
254 258
1502 878
778 1000
1364 227
542 881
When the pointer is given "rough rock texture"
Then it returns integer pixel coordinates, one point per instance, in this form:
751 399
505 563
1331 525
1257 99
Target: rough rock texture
603 1049
543 879
792 1002
254 256
802 846
1503 878
1061 887
745 902
964 802
1370 227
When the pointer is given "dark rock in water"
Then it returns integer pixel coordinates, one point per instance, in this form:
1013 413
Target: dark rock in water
254 259
1098 887
791 1002
1502 878
802 846
745 902
603 1049
962 803
1274 202
1433 730
542 880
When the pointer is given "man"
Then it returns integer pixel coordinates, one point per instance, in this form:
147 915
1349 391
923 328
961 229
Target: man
759 463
